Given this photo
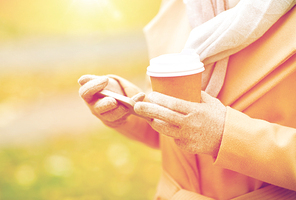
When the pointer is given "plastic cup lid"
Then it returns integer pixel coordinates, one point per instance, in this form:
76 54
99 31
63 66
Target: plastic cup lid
179 64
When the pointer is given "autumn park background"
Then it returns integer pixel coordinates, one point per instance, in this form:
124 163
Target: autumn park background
51 146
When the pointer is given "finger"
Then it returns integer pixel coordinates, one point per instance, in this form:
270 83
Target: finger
172 103
105 104
151 110
114 86
139 97
165 128
93 86
115 114
85 78
205 97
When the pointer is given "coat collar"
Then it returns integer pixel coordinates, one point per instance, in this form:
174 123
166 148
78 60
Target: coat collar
168 31
260 66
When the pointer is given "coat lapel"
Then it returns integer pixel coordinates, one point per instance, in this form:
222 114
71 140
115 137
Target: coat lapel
260 66
168 30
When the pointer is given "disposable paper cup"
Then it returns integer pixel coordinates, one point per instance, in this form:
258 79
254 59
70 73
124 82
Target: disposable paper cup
177 75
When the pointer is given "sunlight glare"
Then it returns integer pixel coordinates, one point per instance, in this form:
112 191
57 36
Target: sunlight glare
95 7
90 2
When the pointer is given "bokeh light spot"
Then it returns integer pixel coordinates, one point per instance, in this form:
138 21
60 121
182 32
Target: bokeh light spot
25 175
58 165
118 154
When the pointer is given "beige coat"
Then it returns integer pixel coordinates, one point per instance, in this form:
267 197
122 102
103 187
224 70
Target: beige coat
257 157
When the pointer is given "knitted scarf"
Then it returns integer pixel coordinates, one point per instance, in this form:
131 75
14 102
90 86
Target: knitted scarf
219 32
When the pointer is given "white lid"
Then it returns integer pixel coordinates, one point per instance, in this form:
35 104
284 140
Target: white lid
179 64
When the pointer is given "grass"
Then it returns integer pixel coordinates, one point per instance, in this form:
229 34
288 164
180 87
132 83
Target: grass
99 165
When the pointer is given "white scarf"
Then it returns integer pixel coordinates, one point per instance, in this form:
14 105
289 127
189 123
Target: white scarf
219 32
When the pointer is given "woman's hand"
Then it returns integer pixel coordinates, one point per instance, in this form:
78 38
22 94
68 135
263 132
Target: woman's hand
107 109
196 127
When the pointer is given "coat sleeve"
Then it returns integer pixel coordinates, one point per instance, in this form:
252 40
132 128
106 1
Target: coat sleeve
259 149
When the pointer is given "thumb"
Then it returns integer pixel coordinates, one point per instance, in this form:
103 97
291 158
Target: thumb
85 78
139 97
88 90
205 97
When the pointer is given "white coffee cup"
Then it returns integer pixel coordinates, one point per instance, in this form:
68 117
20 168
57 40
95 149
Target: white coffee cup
177 75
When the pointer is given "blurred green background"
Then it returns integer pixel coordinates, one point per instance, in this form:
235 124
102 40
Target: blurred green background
51 147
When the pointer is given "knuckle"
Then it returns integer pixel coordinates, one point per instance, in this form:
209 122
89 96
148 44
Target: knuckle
113 115
105 104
